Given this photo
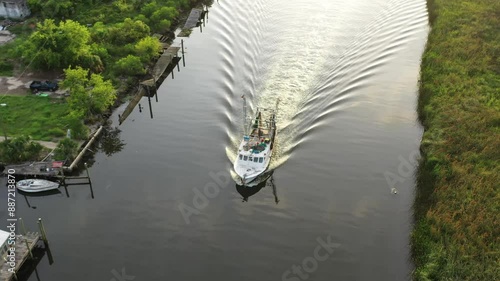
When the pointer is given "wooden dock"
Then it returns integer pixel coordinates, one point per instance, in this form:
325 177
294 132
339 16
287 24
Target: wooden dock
24 249
132 104
193 19
36 169
164 61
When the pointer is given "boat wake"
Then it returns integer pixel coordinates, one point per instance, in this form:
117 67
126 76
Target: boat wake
318 68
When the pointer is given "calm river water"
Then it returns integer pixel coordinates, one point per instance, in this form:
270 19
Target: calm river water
165 206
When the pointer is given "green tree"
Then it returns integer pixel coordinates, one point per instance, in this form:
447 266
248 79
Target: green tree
88 95
66 149
148 48
130 65
129 31
19 149
75 122
54 46
160 20
148 9
57 8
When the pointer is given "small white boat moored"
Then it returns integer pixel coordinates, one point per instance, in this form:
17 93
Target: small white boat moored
36 185
256 148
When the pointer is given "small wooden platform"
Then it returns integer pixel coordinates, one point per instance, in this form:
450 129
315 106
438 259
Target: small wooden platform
164 60
131 105
37 169
193 19
22 254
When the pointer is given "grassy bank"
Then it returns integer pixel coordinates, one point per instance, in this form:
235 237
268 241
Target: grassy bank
457 207
41 118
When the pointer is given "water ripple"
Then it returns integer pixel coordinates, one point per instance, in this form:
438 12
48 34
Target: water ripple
317 67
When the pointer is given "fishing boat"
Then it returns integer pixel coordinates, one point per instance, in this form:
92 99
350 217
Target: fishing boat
256 148
36 185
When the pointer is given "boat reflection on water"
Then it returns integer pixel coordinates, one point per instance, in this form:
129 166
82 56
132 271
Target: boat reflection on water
27 195
264 180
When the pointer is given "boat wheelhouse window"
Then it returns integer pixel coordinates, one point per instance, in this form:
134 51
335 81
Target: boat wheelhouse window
245 158
241 156
256 159
261 159
250 158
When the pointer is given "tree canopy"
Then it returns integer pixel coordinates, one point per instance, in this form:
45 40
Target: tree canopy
54 46
88 94
147 48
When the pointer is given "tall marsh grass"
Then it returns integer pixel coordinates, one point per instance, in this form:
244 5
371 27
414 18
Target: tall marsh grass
457 206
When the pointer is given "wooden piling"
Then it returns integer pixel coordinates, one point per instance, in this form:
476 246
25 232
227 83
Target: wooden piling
150 108
182 49
172 73
42 231
91 191
62 179
87 170
156 89
23 228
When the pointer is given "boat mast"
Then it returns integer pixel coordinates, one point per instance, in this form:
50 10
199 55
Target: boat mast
244 113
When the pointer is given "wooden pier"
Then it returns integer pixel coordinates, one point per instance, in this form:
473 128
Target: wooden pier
24 250
36 169
132 104
195 18
164 61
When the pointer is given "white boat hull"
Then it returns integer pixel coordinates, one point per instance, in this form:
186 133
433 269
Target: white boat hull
36 185
256 148
248 173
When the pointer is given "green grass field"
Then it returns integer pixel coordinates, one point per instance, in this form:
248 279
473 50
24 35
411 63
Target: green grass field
457 206
41 118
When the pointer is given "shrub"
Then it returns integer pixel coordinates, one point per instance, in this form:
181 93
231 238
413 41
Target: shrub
66 149
130 65
56 132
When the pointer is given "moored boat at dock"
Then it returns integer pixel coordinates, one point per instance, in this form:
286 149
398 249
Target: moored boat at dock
36 185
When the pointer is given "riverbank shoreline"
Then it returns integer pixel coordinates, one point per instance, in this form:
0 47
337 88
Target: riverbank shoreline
456 232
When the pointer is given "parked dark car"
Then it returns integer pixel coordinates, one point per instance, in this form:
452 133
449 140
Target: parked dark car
37 86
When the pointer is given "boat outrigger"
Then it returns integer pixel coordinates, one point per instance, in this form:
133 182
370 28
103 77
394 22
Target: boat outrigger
256 148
